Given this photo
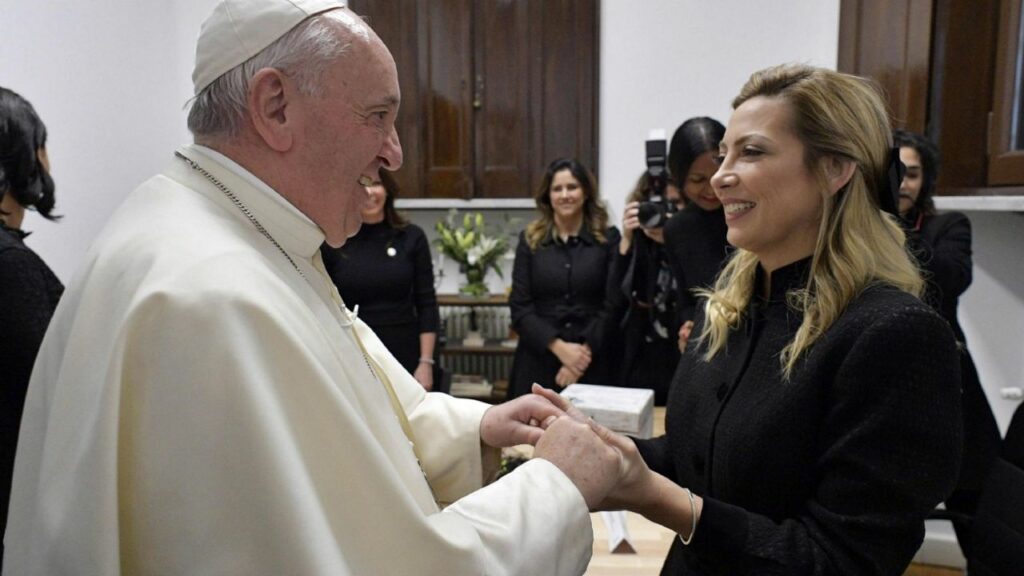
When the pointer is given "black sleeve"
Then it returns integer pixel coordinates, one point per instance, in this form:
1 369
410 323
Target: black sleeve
534 331
895 400
423 294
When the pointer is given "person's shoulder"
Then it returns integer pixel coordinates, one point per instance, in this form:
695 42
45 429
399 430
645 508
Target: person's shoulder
944 221
690 220
612 235
12 247
413 232
887 308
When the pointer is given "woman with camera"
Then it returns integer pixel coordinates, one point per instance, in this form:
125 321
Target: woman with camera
559 300
644 290
695 237
801 429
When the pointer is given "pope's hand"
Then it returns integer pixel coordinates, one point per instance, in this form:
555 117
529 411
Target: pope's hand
589 462
634 485
517 421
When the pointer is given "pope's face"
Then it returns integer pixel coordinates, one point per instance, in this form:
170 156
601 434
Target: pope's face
351 134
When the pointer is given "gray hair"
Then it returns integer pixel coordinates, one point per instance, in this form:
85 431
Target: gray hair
304 53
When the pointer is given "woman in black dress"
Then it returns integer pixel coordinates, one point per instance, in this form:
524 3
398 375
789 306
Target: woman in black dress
942 244
559 301
387 271
814 421
29 290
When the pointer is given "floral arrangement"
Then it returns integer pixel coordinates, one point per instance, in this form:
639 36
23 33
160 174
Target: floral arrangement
472 247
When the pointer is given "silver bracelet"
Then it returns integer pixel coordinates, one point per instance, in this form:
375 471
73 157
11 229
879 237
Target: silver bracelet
426 360
693 518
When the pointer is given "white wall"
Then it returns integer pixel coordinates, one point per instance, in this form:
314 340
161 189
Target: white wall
663 61
109 78
992 309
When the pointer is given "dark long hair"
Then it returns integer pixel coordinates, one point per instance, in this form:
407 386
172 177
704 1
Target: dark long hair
929 154
22 175
595 217
693 138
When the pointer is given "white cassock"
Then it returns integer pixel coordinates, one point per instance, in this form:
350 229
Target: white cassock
199 407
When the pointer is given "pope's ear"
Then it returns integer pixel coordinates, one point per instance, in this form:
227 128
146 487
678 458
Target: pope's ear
839 171
269 102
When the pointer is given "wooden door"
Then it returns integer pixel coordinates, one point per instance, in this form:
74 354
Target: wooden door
492 90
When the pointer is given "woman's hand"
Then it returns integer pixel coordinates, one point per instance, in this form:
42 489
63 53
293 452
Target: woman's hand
575 356
630 222
424 374
684 335
566 376
637 487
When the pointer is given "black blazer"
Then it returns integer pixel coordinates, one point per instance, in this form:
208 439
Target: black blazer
561 290
830 472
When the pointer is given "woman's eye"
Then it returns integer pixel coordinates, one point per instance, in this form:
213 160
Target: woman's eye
752 152
718 160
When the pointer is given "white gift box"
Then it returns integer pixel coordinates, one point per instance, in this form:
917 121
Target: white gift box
625 410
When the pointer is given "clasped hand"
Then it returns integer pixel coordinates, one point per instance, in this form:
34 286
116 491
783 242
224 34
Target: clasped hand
606 467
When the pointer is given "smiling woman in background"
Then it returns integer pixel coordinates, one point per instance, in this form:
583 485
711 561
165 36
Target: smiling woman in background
387 271
814 421
559 301
29 290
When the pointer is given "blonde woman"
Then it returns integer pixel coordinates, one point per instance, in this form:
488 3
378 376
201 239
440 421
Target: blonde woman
814 420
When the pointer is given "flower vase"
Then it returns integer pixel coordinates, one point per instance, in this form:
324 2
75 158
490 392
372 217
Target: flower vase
475 285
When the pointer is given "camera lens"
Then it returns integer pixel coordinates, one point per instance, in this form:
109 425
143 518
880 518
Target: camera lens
652 214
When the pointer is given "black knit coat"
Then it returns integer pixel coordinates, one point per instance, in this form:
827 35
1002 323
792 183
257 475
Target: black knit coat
830 472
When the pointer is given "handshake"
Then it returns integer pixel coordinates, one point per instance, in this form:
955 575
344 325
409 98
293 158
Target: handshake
606 467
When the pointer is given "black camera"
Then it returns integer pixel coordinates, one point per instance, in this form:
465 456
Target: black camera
655 211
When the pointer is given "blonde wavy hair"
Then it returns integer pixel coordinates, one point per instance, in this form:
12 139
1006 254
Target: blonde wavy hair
595 216
836 116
